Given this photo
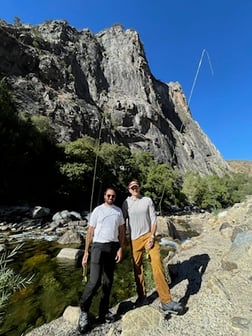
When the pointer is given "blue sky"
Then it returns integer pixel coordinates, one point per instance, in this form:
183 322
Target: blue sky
174 35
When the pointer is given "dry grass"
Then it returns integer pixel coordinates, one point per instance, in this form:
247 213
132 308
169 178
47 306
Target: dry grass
241 166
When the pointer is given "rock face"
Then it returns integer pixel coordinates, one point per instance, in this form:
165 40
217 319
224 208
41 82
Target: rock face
84 82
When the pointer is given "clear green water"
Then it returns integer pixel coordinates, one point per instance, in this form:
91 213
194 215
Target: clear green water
55 285
58 284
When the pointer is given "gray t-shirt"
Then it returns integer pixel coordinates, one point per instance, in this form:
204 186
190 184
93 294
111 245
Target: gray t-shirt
106 220
140 213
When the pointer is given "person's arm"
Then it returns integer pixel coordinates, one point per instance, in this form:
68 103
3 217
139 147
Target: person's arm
89 239
121 238
153 230
126 220
151 240
121 235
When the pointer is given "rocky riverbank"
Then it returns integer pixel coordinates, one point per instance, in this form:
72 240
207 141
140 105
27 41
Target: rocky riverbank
211 274
25 223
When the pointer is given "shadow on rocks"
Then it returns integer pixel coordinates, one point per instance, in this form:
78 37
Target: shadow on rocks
191 270
123 308
126 306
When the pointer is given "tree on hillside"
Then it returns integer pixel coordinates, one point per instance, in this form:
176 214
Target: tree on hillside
192 187
76 167
163 185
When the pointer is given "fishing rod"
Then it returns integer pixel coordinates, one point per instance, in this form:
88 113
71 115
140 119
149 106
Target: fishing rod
95 165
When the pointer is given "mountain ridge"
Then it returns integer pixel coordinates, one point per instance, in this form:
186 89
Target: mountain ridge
91 84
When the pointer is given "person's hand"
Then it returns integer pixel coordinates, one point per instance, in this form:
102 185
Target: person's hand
150 243
84 259
118 257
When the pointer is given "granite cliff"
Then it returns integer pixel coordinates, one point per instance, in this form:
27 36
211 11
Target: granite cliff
84 83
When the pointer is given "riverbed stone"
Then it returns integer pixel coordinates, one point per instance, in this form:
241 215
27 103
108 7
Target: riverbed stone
141 321
71 314
68 253
70 237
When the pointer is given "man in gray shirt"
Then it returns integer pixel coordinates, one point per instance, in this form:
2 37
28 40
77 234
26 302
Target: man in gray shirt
139 213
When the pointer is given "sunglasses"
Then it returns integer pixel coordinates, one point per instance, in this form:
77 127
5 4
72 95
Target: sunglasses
111 196
134 188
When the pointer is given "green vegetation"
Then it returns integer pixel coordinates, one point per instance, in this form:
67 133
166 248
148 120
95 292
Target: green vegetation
213 192
116 165
36 170
10 282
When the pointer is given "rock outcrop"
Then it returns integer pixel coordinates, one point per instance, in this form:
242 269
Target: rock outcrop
84 82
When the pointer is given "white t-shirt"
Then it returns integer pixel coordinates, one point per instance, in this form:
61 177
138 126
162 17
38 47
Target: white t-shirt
106 220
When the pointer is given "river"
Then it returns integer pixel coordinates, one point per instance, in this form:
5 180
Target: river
56 284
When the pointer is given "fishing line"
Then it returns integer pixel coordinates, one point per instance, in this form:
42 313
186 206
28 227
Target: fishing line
204 51
197 72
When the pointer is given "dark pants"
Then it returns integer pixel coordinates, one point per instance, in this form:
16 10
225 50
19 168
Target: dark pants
102 266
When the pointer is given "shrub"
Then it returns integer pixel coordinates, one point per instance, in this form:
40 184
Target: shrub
10 282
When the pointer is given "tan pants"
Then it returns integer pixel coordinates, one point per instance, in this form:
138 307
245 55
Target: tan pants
138 248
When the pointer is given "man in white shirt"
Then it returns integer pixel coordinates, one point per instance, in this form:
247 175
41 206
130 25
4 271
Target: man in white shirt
106 233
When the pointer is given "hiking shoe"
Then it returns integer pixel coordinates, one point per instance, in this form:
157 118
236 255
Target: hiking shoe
141 301
83 322
108 318
172 307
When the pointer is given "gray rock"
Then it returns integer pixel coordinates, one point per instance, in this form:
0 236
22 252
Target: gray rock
70 237
40 212
167 242
68 253
243 238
